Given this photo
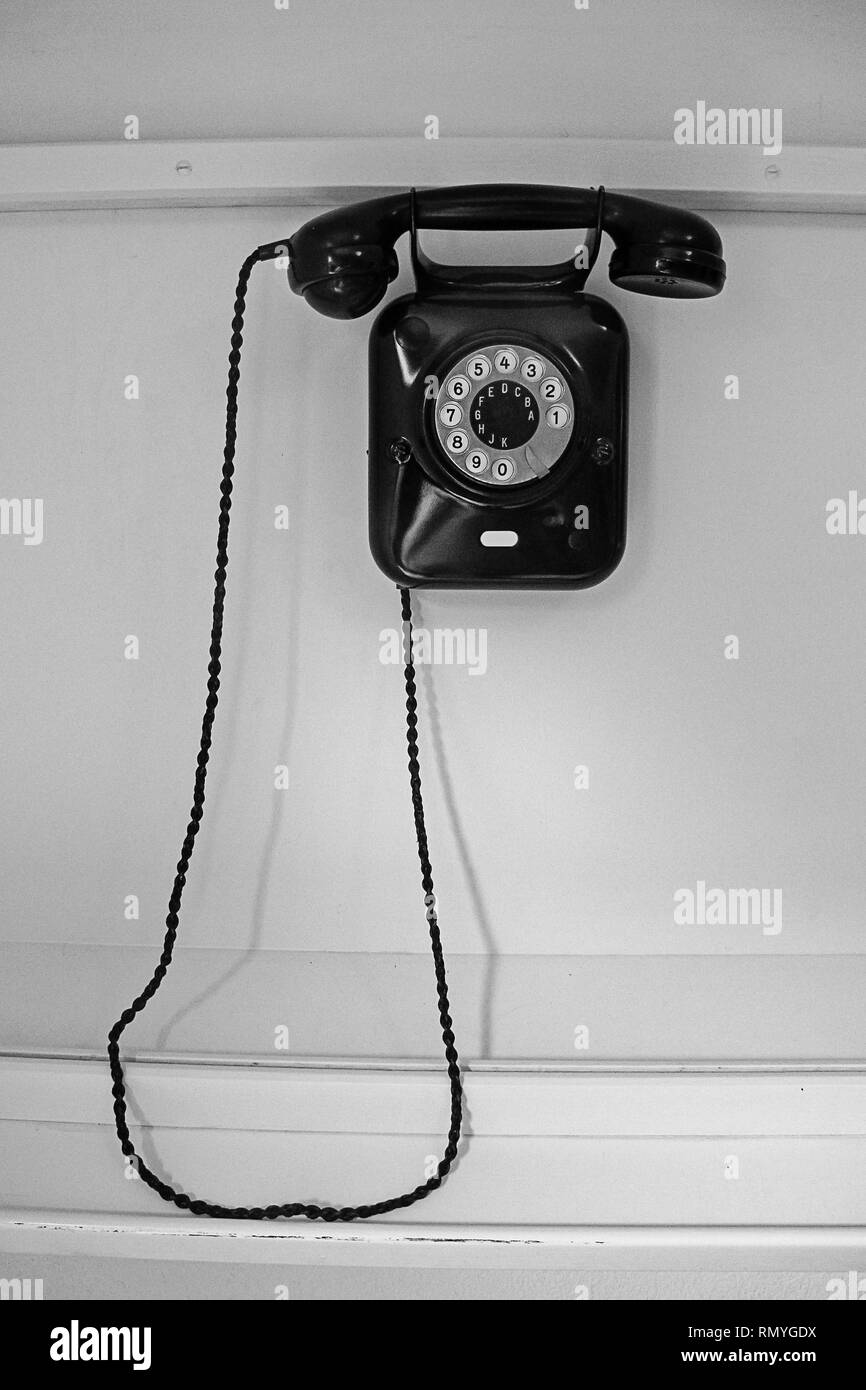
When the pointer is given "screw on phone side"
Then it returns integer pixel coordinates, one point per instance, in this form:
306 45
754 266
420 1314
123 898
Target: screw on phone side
602 451
400 451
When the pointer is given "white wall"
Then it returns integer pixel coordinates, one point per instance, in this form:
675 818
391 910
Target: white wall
739 773
212 68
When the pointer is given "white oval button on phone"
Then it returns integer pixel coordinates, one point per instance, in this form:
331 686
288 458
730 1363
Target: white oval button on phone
498 538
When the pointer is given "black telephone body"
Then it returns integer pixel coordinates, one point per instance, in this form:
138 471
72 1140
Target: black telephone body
498 411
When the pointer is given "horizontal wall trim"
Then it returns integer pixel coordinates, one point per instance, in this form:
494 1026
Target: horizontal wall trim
462 1246
515 1066
327 1100
305 172
553 1150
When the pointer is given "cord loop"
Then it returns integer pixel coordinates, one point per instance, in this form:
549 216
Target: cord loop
289 1209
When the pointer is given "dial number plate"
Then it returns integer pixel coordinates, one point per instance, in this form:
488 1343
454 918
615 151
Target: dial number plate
509 434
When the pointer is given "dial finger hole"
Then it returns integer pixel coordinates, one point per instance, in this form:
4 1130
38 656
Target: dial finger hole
479 367
551 389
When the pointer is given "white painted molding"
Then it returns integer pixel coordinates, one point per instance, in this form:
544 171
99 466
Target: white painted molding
377 1244
534 1066
411 1101
304 172
554 1150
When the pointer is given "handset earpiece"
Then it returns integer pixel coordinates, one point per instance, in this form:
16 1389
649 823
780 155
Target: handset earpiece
677 272
662 250
353 281
343 262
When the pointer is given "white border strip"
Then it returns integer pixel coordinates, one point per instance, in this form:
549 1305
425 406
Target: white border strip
371 1243
534 1066
305 172
327 1101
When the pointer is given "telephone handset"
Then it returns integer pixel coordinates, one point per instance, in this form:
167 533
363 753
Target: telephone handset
343 262
497 458
498 395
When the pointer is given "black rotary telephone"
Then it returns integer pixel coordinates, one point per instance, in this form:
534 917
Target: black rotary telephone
497 457
499 395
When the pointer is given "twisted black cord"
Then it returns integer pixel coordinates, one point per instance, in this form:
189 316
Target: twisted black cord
180 1199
